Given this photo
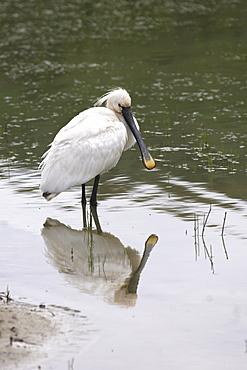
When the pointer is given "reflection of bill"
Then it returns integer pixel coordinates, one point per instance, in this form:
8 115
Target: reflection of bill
97 264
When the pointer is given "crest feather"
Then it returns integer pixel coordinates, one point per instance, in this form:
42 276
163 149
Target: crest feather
103 99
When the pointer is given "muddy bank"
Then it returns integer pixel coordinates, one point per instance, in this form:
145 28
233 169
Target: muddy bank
31 336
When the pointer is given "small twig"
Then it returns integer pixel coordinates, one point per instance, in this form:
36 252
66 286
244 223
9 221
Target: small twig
224 246
206 220
6 296
71 364
223 225
209 255
222 235
196 236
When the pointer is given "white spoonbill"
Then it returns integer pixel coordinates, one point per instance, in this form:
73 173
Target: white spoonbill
91 144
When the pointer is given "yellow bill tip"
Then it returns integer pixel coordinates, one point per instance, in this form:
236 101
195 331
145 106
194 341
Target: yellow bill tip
152 240
149 163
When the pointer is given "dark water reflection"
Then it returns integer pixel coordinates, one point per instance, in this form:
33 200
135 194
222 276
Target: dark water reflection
95 263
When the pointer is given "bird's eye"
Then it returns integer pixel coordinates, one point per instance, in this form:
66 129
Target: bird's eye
119 105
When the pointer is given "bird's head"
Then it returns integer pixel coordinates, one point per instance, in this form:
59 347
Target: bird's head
115 100
119 101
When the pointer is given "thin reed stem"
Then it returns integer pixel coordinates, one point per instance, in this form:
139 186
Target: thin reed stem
206 220
223 225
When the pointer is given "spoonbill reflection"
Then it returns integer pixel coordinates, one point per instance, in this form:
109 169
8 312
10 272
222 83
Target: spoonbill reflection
90 145
97 264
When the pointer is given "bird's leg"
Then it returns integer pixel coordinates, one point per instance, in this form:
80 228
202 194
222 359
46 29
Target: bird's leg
83 195
93 200
93 204
84 205
96 219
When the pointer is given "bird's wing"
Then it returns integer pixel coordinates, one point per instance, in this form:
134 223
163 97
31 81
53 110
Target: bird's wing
90 144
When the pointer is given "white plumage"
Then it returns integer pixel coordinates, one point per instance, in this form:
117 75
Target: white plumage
91 144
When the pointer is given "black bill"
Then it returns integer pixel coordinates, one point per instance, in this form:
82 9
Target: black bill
147 159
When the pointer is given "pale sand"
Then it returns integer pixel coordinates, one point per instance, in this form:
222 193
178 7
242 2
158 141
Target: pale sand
31 335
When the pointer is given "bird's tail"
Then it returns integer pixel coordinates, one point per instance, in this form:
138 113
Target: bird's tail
48 196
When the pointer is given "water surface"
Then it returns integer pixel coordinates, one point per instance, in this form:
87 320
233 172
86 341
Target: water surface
184 64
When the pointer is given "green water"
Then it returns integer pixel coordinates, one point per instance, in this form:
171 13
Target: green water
184 64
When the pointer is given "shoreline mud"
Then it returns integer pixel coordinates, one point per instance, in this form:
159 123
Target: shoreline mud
31 335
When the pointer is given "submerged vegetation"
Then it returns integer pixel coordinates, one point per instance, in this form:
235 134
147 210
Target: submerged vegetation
200 238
